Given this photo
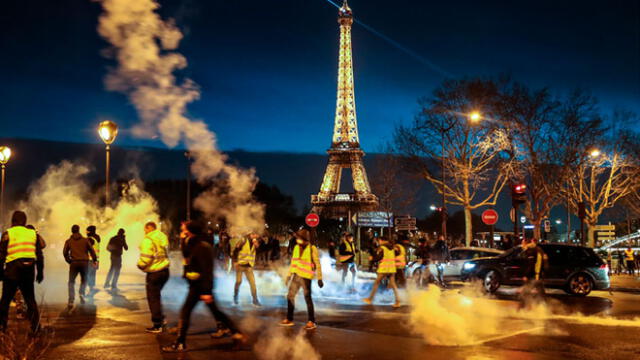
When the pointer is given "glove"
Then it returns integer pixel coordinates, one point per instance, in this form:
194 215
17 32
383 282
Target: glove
39 278
320 284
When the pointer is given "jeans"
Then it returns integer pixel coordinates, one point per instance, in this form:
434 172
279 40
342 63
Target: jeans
154 284
346 267
248 273
24 283
91 275
298 282
114 272
392 284
224 322
75 268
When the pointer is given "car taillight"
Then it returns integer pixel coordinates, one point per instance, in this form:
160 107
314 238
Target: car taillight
604 267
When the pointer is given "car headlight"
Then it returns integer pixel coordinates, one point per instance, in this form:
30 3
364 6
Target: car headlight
468 266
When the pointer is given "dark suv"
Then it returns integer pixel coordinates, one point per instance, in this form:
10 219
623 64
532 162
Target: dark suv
574 269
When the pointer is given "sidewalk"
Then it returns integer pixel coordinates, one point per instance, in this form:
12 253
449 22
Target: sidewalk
625 283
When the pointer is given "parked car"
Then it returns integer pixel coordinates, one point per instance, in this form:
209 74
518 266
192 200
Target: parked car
574 269
459 256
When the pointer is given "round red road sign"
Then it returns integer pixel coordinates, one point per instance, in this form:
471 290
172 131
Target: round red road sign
312 220
490 217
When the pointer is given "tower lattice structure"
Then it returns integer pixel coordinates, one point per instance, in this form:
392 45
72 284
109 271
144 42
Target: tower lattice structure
345 151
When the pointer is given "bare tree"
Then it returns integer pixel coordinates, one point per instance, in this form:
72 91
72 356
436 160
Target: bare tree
603 175
474 156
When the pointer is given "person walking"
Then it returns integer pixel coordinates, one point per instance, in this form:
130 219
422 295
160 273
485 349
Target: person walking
21 262
535 263
386 258
630 261
154 261
347 257
78 253
440 256
94 239
245 255
116 246
198 270
305 266
401 261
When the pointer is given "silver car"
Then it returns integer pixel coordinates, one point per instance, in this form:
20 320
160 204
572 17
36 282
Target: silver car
453 269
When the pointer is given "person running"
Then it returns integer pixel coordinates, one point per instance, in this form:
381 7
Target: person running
78 252
347 257
245 255
154 261
116 246
199 267
386 258
305 265
94 239
21 262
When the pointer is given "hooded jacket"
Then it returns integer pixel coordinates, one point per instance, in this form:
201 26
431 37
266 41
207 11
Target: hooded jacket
78 248
198 256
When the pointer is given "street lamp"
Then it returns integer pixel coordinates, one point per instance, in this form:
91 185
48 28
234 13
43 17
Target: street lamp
108 130
595 153
433 208
5 155
475 116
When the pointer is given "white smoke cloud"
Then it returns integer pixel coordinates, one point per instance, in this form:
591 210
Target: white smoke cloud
144 44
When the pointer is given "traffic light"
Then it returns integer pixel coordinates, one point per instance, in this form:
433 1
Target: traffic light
518 194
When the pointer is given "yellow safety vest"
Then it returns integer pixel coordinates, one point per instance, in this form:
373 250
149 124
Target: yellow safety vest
154 252
247 255
302 264
388 263
22 243
344 258
401 259
629 255
96 247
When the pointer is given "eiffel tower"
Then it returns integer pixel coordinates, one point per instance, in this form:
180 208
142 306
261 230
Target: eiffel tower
345 151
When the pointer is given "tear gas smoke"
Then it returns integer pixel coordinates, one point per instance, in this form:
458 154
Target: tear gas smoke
62 197
144 45
276 345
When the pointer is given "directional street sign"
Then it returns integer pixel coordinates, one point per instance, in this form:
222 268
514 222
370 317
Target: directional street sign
373 219
407 223
605 232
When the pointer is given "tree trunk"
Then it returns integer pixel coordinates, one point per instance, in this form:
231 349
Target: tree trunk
537 231
468 226
591 235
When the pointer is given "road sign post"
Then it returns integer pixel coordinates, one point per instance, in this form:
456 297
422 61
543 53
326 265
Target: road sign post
312 220
490 217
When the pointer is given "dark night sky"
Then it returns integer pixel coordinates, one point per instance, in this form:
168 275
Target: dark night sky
268 68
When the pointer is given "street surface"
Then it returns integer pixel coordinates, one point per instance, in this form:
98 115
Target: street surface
112 327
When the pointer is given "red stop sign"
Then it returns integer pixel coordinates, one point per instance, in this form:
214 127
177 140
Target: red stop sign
312 220
490 217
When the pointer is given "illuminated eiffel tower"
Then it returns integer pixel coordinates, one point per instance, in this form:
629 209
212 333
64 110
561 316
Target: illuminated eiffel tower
345 151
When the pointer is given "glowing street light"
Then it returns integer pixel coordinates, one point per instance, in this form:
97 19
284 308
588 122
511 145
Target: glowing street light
558 221
432 208
475 116
595 153
108 130
5 155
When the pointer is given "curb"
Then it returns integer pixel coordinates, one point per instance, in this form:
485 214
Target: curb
625 290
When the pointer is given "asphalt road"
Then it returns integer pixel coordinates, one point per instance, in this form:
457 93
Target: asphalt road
601 326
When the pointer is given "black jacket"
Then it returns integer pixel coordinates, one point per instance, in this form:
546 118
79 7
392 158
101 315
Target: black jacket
198 254
116 244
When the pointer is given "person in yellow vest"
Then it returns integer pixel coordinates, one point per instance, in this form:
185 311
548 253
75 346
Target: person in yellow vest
245 255
21 307
386 258
94 239
347 257
21 262
154 261
305 266
401 261
630 260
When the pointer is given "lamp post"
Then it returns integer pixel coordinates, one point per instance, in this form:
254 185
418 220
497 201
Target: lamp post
187 154
5 155
108 130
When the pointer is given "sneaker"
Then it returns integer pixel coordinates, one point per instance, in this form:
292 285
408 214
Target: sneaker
175 347
235 300
155 329
221 333
366 301
286 322
256 303
310 325
396 305
240 338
